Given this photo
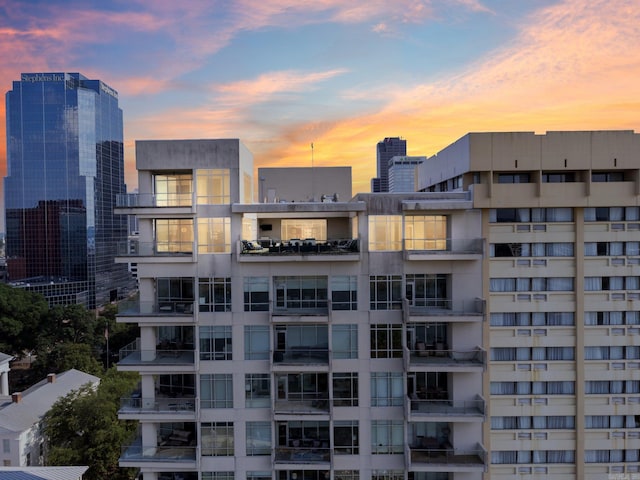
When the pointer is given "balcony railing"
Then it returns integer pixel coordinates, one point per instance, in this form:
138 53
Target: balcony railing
444 356
444 246
154 453
426 307
144 405
135 248
301 355
137 307
157 357
312 403
135 200
308 246
430 450
302 454
444 406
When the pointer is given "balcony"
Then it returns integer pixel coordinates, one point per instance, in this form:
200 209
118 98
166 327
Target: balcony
301 355
136 454
136 407
443 249
161 360
303 455
434 454
448 310
435 403
152 204
296 250
133 250
302 393
440 358
172 312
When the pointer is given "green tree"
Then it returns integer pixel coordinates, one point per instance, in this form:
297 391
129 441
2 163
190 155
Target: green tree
65 356
22 315
83 428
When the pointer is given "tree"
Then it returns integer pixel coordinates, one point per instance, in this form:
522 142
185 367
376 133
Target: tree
65 356
21 319
83 428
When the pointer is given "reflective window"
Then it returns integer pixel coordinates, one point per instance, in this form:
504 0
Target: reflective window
174 235
302 228
214 235
385 233
173 190
216 391
214 186
425 232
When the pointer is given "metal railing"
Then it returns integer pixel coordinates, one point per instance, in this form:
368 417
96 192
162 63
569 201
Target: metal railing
299 246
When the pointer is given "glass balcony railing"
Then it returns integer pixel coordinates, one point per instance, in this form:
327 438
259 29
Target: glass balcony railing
136 248
304 454
438 451
144 405
145 200
444 306
157 357
296 246
436 402
137 307
156 453
444 246
441 355
301 355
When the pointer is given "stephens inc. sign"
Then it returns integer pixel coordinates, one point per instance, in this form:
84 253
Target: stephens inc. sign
42 77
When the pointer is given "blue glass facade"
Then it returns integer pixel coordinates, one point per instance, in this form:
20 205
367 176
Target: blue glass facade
65 166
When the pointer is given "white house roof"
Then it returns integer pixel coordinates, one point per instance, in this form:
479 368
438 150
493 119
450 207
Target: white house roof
38 399
4 358
42 473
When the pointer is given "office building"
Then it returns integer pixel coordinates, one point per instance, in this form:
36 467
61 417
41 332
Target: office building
65 167
486 328
385 150
402 173
561 222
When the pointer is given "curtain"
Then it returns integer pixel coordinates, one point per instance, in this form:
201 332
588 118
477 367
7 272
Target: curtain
560 284
592 284
590 249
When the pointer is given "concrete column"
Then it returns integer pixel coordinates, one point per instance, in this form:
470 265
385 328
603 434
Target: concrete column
4 383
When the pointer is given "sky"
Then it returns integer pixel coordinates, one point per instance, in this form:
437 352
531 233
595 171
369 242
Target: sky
341 74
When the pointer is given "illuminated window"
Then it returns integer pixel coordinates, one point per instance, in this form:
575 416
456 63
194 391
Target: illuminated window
425 232
214 186
304 228
172 190
385 233
214 235
174 235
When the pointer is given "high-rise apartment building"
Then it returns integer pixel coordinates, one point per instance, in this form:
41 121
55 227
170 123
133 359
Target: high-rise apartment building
65 167
403 174
489 332
385 150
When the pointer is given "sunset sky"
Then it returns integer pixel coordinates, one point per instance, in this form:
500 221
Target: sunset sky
343 74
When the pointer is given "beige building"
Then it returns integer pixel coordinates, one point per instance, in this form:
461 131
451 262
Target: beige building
486 328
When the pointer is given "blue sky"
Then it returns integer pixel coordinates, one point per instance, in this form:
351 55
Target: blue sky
280 74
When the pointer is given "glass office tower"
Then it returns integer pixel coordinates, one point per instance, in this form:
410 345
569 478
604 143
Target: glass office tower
65 167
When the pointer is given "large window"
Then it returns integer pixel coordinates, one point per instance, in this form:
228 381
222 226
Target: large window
214 186
302 228
524 319
532 456
607 214
346 437
538 422
215 343
514 178
344 292
536 284
256 294
172 190
427 290
216 390
385 292
344 340
386 389
214 235
174 293
387 436
174 235
257 387
533 388
307 292
612 318
527 215
425 232
559 249
217 439
385 233
345 389
214 294
386 341
258 438
509 354
256 342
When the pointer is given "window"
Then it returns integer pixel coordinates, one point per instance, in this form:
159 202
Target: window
216 476
256 294
172 190
214 235
528 215
387 475
611 456
535 456
309 388
258 438
514 178
216 390
607 177
217 439
592 249
387 436
599 387
386 389
612 421
302 228
425 232
345 437
345 389
214 294
538 422
385 233
608 214
521 319
214 186
346 475
386 341
344 292
427 290
256 342
344 340
174 293
560 249
533 353
611 318
6 445
257 387
533 388
174 235
536 284
258 475
593 284
385 292
558 177
215 343
304 292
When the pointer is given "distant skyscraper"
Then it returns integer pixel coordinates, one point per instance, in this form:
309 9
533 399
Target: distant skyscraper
385 150
65 167
402 173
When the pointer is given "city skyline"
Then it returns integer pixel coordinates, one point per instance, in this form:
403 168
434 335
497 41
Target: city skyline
280 76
